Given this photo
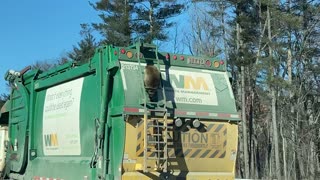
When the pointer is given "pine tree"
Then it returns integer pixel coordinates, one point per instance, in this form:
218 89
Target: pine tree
85 48
115 27
151 18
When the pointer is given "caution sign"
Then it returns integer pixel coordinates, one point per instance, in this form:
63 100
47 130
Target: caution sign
191 144
194 144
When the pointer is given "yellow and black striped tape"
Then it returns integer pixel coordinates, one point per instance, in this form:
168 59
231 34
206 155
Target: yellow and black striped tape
213 147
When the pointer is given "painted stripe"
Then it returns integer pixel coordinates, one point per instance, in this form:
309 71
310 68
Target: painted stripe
214 154
202 114
181 113
224 115
171 153
185 154
153 154
213 114
205 153
141 154
234 116
223 155
138 147
219 127
225 143
196 153
139 135
191 113
131 109
210 126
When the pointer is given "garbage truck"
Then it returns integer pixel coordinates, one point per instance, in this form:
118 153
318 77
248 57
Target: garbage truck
127 113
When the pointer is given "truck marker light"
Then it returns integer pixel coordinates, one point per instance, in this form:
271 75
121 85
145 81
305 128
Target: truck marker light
136 55
123 51
216 64
129 54
182 58
222 62
115 53
175 57
208 63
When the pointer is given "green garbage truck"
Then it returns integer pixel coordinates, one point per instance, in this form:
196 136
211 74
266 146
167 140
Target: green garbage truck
127 113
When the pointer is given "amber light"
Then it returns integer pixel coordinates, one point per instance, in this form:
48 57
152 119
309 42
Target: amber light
129 54
216 64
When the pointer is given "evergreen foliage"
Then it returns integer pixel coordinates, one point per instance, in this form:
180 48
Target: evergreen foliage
116 16
126 20
151 18
85 48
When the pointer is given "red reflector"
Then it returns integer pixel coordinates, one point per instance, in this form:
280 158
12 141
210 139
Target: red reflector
131 109
222 62
208 63
181 58
123 51
175 57
115 52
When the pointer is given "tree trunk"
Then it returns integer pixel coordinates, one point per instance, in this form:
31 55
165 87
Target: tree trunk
151 22
243 108
273 102
312 155
284 147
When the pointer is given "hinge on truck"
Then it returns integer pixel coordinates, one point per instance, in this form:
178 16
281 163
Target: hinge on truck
157 143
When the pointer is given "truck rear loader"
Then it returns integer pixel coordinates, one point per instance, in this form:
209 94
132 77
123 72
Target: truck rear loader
128 113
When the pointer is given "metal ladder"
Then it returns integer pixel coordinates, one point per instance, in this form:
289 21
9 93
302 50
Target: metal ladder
161 138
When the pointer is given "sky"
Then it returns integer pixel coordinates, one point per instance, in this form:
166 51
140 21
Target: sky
39 30
43 30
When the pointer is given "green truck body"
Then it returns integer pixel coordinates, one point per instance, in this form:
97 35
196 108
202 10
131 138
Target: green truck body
72 122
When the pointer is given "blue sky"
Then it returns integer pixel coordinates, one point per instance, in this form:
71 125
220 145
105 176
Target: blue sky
38 30
42 30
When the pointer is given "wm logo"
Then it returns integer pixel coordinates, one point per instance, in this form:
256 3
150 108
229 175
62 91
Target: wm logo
189 82
51 139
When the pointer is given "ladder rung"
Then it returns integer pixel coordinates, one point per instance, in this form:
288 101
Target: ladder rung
157 110
156 158
156 142
155 134
156 151
169 127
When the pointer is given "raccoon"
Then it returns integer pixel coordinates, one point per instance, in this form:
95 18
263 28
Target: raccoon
151 81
